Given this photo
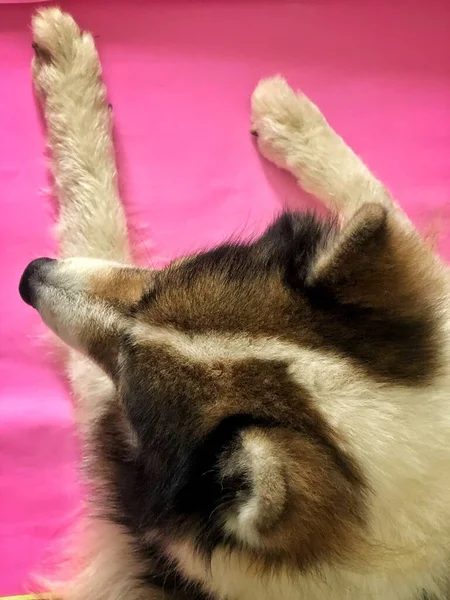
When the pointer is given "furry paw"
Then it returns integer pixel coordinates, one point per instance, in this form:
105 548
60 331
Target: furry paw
60 48
282 120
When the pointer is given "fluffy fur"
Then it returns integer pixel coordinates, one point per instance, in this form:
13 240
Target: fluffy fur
265 420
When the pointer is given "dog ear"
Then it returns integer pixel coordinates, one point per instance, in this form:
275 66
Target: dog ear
376 262
293 495
253 471
373 288
358 261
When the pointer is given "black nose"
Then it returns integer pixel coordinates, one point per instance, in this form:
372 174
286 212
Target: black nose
29 279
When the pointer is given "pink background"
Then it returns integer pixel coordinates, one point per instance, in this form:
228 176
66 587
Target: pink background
180 74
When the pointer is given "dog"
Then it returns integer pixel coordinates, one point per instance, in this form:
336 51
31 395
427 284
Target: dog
266 420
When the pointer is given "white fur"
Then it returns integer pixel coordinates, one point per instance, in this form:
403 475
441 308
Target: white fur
67 307
262 463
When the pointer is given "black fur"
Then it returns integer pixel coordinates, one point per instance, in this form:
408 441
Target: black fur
290 244
173 476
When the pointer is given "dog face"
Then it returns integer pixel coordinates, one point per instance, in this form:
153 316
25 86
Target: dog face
237 372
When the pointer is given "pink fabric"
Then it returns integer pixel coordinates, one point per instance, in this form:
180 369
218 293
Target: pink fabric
180 76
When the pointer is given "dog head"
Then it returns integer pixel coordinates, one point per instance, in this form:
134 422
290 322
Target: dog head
247 380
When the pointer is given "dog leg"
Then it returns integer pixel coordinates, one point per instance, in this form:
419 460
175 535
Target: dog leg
293 133
66 73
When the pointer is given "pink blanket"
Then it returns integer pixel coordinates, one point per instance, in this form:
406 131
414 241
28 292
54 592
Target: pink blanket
180 74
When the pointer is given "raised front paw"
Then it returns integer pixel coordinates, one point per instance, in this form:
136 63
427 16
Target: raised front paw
282 120
60 49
